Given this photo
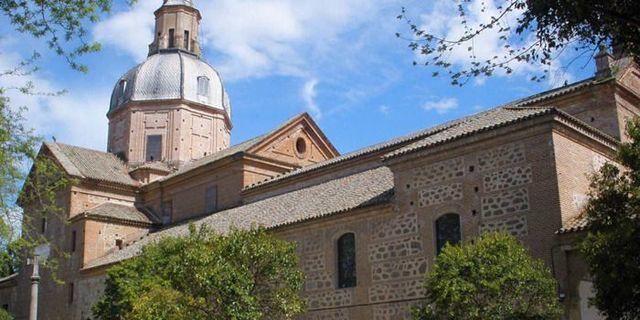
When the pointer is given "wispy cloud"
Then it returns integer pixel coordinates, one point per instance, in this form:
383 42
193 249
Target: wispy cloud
441 106
74 118
384 109
444 20
309 96
129 31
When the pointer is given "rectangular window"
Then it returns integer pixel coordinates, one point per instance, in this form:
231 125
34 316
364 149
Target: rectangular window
154 148
73 241
172 35
71 293
43 226
167 212
203 86
211 197
186 40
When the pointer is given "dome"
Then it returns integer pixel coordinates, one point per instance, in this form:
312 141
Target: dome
171 75
178 3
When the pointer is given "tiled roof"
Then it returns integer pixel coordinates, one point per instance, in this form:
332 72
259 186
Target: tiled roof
528 101
119 212
575 224
195 164
156 165
480 122
539 97
91 164
337 196
359 153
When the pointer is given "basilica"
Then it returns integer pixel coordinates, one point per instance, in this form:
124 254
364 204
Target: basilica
367 224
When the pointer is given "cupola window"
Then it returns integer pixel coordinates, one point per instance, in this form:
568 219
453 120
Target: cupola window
203 86
172 40
186 40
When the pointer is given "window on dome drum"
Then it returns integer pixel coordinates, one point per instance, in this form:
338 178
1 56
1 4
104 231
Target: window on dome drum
203 86
172 40
186 40
154 148
211 199
347 261
447 230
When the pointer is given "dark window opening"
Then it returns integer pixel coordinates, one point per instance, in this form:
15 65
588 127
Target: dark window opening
73 241
167 211
154 148
5 307
186 40
119 244
43 226
347 261
123 87
203 86
211 199
71 293
301 146
172 42
447 230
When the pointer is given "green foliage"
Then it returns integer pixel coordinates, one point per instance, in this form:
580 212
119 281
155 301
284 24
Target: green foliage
4 315
61 23
19 149
492 277
613 241
244 275
543 31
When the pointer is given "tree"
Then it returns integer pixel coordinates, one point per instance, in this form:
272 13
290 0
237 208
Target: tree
492 277
4 315
62 24
613 240
540 32
247 274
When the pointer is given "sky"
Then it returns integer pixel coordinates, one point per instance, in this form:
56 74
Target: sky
338 60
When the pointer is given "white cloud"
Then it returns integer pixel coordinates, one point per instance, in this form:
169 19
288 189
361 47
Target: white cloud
384 109
73 118
441 106
253 38
444 20
309 96
129 31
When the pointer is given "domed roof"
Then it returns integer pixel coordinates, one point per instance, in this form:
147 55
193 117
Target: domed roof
178 3
171 75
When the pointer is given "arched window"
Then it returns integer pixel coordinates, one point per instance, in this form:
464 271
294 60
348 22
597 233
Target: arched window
447 230
347 261
203 86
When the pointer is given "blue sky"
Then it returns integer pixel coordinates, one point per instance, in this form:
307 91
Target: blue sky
339 60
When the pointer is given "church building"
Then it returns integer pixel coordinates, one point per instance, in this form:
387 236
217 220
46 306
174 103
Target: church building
368 224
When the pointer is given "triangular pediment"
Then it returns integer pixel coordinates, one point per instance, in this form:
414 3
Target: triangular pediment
299 142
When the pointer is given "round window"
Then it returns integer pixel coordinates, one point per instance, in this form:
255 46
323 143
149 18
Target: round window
301 146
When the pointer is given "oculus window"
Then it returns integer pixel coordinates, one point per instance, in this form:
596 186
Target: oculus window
447 230
347 261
